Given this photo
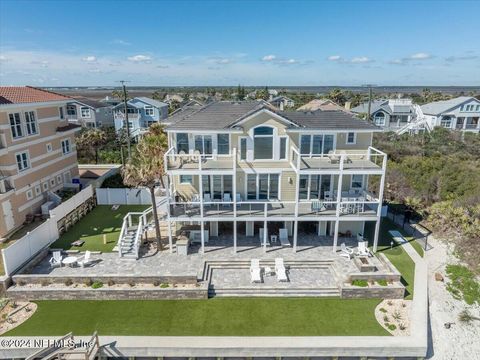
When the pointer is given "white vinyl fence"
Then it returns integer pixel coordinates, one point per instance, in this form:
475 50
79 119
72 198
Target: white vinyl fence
123 196
25 248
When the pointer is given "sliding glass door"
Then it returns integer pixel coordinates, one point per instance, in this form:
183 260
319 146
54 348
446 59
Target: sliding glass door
217 186
262 186
314 186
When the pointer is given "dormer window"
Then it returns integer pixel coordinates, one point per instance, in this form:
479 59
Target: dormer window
263 143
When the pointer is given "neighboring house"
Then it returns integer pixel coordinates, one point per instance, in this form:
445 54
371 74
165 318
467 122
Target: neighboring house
246 167
111 101
184 111
390 114
89 113
37 152
321 104
173 98
281 102
461 113
142 112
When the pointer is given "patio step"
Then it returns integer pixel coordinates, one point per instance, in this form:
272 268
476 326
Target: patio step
275 292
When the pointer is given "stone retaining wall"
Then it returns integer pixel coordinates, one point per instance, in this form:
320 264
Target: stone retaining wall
18 293
39 279
395 291
5 283
392 274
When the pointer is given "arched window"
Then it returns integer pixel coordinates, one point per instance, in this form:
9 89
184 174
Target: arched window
379 119
263 142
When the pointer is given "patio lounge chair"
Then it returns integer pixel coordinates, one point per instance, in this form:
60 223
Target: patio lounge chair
56 259
227 199
86 260
280 270
255 271
363 249
346 251
283 237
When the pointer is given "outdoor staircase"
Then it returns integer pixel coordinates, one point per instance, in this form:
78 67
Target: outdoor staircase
255 290
127 243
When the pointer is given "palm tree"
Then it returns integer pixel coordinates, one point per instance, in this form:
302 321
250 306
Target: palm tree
92 139
146 168
337 96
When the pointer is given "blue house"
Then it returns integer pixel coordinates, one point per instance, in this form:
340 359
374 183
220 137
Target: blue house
142 112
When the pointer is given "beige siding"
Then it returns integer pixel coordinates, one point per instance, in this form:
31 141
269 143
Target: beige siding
364 140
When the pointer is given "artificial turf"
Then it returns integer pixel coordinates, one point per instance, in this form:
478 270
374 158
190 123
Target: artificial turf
213 317
91 228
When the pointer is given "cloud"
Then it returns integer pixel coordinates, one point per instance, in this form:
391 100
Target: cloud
219 60
421 56
140 58
269 58
335 58
43 63
121 42
163 66
3 58
355 60
89 59
360 60
461 58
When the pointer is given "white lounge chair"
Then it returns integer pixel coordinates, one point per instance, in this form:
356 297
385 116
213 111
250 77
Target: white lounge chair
56 259
346 251
283 237
363 249
227 199
255 271
280 270
86 260
207 198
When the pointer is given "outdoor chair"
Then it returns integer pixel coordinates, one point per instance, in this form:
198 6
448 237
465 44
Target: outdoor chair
227 199
56 259
283 237
255 271
318 206
207 198
363 249
280 270
86 260
346 251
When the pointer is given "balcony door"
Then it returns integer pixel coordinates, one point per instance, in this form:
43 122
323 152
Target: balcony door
263 186
313 187
217 186
203 144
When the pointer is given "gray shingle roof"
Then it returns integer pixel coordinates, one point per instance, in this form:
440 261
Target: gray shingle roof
90 102
438 107
327 120
152 102
376 105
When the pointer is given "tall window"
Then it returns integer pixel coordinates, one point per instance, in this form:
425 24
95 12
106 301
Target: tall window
203 143
85 112
31 123
182 142
60 112
379 119
351 138
316 144
71 110
15 125
262 186
357 181
23 162
243 149
149 110
283 148
223 143
263 142
66 146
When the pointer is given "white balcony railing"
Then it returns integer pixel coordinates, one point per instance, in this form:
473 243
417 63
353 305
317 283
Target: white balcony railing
197 161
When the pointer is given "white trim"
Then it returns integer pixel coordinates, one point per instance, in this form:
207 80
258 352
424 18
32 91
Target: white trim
28 144
263 110
354 138
206 131
330 131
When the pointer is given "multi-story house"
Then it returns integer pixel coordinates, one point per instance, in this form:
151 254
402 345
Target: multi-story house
461 113
321 104
37 151
246 167
391 114
89 113
281 102
142 112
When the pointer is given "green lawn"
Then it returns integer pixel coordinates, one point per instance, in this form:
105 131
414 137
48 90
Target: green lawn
399 258
213 317
91 228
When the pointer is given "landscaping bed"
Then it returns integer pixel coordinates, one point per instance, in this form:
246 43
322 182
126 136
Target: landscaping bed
394 316
13 313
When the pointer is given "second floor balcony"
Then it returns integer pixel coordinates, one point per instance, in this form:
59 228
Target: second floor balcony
196 161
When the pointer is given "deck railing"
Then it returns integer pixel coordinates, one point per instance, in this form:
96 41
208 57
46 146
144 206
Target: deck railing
140 219
197 161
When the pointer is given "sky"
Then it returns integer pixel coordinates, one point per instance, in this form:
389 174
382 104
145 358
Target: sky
274 43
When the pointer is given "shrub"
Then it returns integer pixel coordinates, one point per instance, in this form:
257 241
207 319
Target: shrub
361 283
466 317
386 319
97 285
164 285
131 283
68 282
88 282
111 282
402 327
396 315
392 327
21 283
45 283
156 283
383 310
390 302
382 282
463 284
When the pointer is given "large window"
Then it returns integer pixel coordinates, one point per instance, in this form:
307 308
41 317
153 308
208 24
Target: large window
379 119
23 161
16 125
314 186
182 143
263 143
262 186
316 144
217 186
31 123
223 143
203 144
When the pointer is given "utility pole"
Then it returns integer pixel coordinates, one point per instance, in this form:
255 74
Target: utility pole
369 100
126 117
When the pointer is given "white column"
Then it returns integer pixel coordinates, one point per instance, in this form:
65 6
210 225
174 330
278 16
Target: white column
295 233
213 228
265 235
234 237
234 183
249 228
335 236
170 240
380 201
202 229
201 195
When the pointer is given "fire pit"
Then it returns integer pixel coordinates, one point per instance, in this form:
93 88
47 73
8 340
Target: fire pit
364 264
